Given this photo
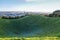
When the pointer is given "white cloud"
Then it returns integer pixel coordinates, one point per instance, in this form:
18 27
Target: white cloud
49 7
33 0
34 8
39 0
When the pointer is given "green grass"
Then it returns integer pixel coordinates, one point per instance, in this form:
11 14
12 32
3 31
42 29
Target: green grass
48 26
32 38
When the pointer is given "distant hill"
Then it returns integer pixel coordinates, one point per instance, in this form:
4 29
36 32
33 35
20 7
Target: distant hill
22 12
32 25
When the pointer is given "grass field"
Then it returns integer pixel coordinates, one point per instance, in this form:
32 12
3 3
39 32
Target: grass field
33 27
32 38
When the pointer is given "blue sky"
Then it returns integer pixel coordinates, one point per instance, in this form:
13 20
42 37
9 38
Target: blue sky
29 5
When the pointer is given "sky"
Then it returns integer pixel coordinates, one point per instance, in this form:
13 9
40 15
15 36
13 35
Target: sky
30 5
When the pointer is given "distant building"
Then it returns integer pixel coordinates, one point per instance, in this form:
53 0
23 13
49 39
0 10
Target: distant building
13 15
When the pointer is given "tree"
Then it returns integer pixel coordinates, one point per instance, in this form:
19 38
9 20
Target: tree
50 15
56 13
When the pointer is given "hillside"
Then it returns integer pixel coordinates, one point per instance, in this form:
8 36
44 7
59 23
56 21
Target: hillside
33 25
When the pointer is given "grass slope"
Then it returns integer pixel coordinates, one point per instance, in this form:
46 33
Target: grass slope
33 25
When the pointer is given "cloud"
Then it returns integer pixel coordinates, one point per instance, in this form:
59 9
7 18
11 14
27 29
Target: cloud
44 7
39 0
31 0
35 8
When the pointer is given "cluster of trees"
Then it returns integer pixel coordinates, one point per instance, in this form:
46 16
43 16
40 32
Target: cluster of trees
55 14
12 17
5 17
